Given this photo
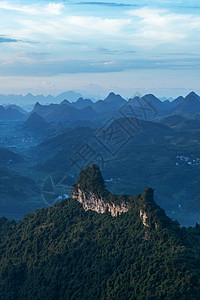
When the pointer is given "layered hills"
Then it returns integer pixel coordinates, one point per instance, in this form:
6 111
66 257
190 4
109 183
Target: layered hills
158 155
190 104
10 114
66 252
35 123
157 140
147 107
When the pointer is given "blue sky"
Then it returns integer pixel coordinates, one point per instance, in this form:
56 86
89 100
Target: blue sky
98 46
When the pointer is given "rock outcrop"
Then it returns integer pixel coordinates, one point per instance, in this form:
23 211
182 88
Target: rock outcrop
144 217
91 192
90 201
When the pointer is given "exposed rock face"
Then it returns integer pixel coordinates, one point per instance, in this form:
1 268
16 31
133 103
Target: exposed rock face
90 201
144 217
91 192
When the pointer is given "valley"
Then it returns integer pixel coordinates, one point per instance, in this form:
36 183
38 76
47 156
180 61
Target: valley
162 153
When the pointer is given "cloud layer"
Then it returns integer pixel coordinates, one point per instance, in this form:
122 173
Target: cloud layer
45 38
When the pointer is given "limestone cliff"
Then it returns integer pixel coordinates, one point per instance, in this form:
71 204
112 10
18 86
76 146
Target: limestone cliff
144 217
98 204
90 191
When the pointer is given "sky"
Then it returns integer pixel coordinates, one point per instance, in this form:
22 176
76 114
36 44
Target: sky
95 47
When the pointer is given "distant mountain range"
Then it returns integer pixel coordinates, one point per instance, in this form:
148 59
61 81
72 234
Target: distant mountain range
31 99
36 123
152 106
190 104
147 107
10 114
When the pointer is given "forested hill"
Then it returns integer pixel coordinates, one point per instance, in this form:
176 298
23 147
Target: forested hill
65 252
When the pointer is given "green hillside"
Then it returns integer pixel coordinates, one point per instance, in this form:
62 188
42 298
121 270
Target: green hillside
63 252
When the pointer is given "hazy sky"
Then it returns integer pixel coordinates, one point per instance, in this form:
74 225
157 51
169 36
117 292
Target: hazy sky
124 46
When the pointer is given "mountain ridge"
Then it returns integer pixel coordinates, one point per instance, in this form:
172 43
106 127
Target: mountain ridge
90 191
62 252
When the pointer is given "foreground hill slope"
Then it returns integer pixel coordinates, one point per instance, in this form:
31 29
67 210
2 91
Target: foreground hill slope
65 252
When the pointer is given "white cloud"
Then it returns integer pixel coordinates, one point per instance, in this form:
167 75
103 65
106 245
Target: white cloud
106 26
82 37
162 26
106 63
34 9
143 27
54 8
53 22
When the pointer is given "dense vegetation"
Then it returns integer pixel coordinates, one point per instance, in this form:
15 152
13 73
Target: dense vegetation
63 252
